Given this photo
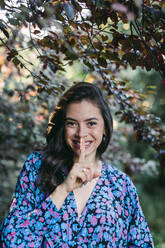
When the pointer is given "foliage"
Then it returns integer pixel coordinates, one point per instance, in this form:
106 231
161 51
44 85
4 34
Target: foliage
152 198
150 83
23 115
79 31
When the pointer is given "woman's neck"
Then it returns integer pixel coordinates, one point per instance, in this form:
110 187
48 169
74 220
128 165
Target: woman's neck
95 161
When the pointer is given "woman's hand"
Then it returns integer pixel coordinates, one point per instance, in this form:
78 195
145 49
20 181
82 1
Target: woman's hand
81 172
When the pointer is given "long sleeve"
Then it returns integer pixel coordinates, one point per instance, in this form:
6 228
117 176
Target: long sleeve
138 234
31 212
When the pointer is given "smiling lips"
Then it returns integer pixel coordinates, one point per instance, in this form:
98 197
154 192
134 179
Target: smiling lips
76 143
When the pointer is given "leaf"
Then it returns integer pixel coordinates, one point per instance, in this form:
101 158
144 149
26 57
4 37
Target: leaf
2 4
60 17
157 36
84 39
20 16
72 41
12 54
16 61
98 45
71 54
113 56
13 21
114 17
126 43
21 65
86 62
25 10
100 18
130 57
104 37
67 29
137 44
9 57
69 10
102 61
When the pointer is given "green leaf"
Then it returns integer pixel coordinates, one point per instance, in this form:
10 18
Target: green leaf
86 62
60 17
13 21
20 16
25 10
2 4
71 54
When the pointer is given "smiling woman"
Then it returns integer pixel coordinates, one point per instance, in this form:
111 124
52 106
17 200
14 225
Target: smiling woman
84 120
66 195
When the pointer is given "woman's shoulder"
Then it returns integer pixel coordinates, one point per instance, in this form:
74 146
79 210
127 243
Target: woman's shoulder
115 171
117 176
34 160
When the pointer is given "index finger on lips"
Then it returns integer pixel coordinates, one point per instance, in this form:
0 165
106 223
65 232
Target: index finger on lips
82 150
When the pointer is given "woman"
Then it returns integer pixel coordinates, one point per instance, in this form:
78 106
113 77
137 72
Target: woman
66 196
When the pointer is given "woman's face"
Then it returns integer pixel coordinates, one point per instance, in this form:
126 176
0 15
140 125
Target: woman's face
84 120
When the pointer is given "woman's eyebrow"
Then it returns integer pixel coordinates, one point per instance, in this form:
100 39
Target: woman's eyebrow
89 119
69 118
92 119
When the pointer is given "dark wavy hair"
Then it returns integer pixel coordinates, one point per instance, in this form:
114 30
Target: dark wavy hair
58 157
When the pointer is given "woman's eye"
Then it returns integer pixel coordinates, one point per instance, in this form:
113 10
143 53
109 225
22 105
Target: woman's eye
70 123
92 123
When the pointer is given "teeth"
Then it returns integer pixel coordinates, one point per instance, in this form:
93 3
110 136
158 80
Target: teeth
87 143
78 142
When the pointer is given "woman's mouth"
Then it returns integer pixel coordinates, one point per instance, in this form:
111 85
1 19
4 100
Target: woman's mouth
76 143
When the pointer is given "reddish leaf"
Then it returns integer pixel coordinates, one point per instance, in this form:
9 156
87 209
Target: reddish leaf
102 61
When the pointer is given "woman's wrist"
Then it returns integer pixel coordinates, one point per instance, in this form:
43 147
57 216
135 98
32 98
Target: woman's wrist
62 188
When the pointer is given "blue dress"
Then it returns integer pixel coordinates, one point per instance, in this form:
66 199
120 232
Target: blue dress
111 218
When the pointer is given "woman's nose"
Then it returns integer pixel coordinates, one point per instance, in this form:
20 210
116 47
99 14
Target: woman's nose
82 131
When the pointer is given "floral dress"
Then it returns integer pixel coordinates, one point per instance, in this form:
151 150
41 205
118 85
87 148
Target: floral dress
111 218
